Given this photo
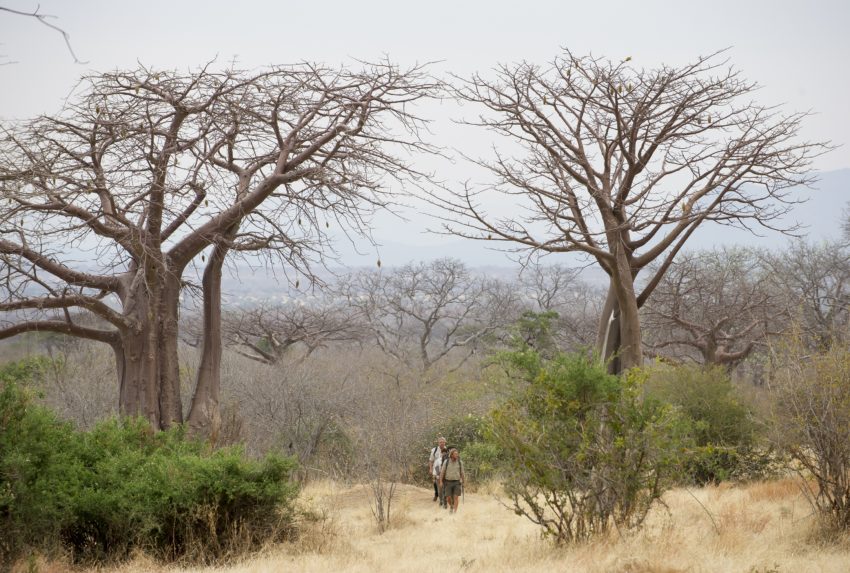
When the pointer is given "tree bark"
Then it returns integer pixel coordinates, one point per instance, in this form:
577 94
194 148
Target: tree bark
608 335
205 414
146 357
171 403
618 339
630 351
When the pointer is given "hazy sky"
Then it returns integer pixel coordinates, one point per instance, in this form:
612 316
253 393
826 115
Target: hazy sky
796 50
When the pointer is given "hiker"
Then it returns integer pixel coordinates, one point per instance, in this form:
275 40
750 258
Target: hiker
443 460
435 462
451 479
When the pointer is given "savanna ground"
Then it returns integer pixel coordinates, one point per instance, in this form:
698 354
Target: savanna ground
758 528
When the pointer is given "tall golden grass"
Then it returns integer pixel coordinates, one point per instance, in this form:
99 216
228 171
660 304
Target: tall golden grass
759 528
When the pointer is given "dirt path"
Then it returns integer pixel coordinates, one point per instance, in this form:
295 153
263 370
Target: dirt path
421 536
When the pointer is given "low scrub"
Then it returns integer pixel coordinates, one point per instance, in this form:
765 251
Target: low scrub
726 437
102 494
812 424
583 450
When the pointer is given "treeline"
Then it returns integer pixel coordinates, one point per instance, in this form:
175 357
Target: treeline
390 357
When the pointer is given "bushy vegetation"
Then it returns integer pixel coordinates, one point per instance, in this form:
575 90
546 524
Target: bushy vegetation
480 456
812 424
583 450
101 494
726 437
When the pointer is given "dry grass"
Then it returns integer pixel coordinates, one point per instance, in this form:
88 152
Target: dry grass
760 528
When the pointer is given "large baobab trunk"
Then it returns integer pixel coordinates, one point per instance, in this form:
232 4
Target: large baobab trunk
149 378
630 352
619 339
608 335
204 416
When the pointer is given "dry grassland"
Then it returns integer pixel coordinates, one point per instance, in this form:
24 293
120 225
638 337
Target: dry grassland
760 528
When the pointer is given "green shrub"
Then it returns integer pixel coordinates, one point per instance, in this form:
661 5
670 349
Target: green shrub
101 494
725 434
481 461
171 496
24 372
38 471
706 395
583 449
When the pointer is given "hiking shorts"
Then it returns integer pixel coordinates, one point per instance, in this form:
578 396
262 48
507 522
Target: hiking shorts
452 487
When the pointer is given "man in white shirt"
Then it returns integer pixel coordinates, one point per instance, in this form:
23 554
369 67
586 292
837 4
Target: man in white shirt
435 460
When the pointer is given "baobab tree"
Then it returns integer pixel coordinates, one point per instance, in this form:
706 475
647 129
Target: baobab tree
268 332
428 314
622 164
146 175
713 307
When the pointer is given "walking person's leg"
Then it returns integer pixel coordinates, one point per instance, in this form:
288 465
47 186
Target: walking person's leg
452 496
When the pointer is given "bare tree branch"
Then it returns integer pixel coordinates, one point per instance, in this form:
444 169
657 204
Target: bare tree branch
43 18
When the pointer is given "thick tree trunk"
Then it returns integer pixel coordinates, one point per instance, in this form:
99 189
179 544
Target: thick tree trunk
146 357
709 351
608 335
205 415
170 401
619 336
618 339
631 353
139 366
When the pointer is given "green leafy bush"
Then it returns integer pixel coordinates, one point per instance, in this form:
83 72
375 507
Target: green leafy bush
725 434
99 495
173 497
706 395
24 372
583 450
38 471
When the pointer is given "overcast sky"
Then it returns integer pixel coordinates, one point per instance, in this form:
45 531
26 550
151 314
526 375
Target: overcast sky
796 50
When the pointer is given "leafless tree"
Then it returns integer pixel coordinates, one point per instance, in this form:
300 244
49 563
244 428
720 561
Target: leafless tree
813 283
268 332
622 164
560 289
427 314
147 175
291 410
713 307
